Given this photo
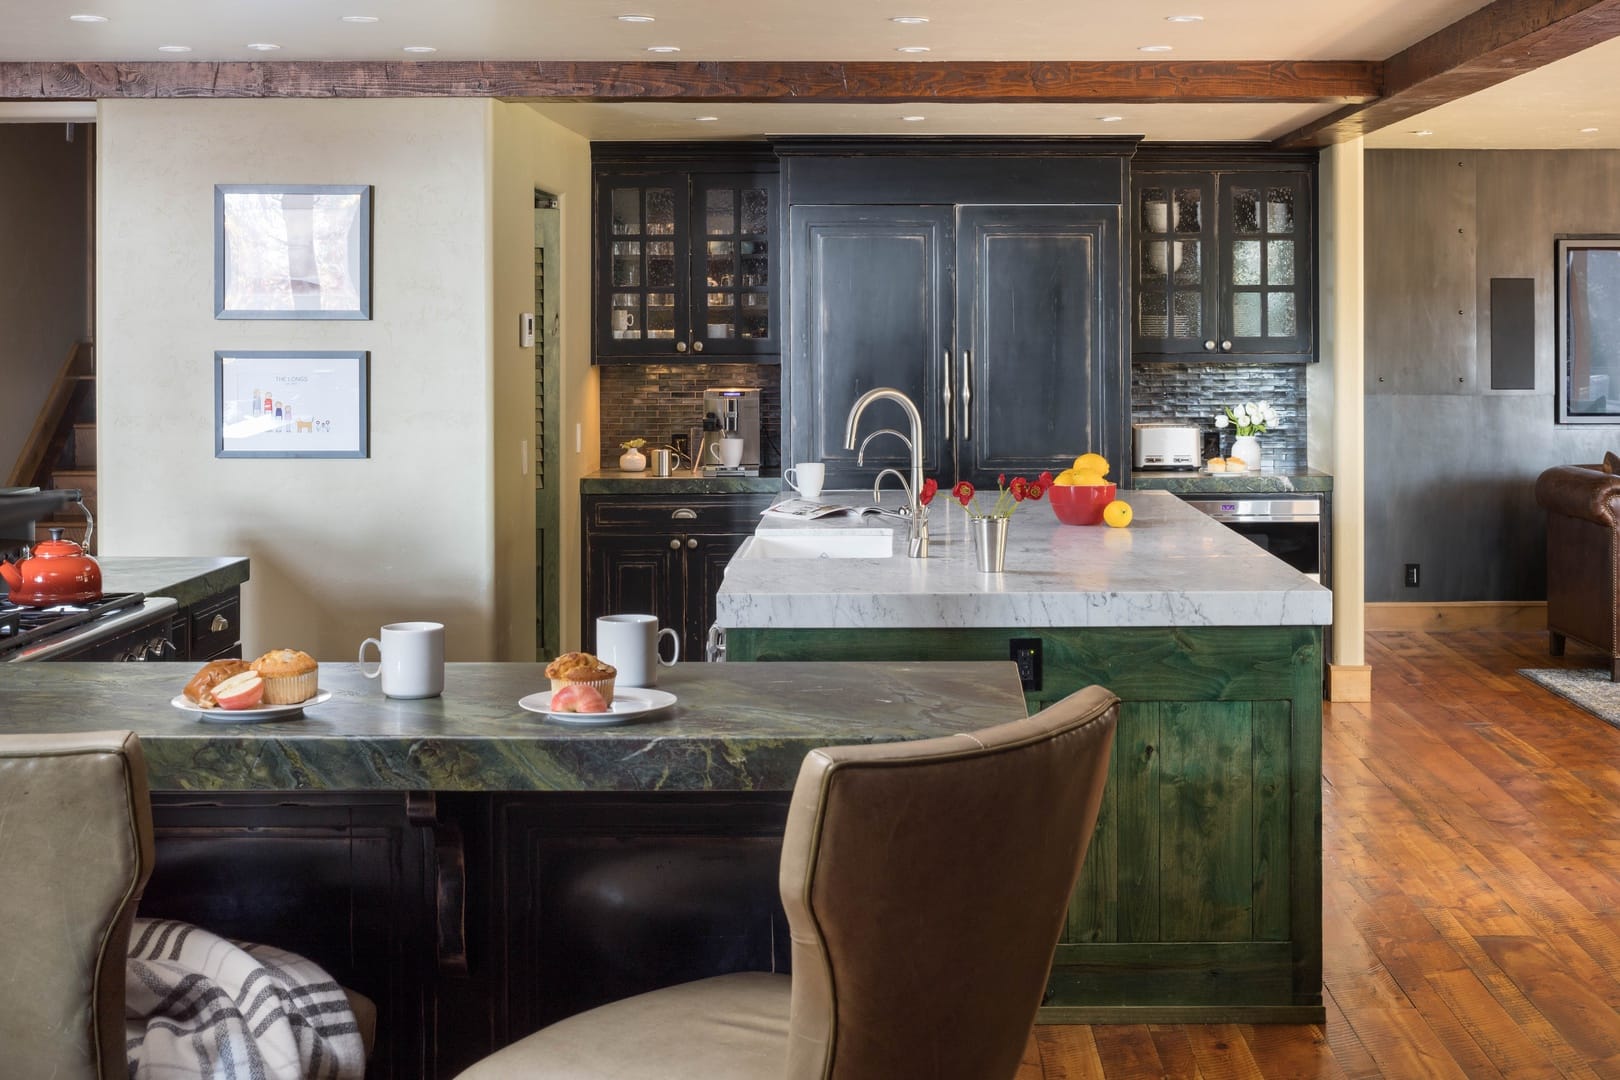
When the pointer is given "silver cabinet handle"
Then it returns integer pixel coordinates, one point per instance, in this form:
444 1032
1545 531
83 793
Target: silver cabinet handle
691 543
220 623
967 394
947 355
1209 346
684 514
680 346
1226 346
697 346
675 544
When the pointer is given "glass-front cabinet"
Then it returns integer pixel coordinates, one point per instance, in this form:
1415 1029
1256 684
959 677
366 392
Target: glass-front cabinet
686 265
1223 265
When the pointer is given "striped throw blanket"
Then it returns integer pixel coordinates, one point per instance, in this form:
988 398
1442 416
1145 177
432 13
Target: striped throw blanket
198 1005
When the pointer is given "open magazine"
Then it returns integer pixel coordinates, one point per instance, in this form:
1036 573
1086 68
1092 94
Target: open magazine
809 510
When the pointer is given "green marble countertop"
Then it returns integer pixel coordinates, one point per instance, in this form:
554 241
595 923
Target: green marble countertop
186 578
615 482
1307 480
735 727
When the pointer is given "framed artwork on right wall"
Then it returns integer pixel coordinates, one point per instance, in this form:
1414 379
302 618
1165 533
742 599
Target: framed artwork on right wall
1588 336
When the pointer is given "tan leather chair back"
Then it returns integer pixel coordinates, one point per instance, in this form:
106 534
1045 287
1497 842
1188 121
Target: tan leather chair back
75 853
926 885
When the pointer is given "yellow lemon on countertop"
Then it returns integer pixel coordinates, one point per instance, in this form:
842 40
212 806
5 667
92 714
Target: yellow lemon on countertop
1117 513
1091 463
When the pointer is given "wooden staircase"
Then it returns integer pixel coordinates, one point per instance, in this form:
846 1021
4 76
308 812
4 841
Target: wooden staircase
61 449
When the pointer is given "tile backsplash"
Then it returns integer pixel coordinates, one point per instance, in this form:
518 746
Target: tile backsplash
654 401
1195 392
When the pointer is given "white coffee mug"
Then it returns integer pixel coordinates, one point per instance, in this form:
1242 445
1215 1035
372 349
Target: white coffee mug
806 478
624 319
630 643
411 659
727 451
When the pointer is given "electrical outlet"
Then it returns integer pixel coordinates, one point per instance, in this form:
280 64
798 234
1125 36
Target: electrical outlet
1026 653
1412 575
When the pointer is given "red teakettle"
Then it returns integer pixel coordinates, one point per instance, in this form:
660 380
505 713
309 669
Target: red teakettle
58 572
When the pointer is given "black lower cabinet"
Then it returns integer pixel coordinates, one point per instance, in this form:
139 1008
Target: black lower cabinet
664 556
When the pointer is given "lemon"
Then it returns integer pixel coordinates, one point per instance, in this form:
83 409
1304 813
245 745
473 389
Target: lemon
1091 463
1087 478
1066 478
1117 513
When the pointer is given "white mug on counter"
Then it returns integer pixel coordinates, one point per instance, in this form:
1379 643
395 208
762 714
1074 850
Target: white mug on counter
806 478
411 662
727 451
630 643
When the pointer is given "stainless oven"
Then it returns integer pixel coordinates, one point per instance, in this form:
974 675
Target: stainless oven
1294 528
146 629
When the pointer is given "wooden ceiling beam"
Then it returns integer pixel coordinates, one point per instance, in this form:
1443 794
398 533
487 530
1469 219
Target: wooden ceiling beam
1501 40
718 82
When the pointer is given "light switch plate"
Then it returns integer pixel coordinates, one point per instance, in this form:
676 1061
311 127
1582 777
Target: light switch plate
526 330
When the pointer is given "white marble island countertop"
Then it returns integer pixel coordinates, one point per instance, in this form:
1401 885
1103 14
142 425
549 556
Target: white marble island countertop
1172 567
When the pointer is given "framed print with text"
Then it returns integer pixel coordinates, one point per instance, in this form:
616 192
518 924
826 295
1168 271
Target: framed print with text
291 404
1588 346
292 251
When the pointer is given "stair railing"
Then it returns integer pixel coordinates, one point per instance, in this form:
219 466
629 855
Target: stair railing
51 415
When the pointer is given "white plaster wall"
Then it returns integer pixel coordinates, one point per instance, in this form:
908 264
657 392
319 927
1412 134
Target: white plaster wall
532 152
339 547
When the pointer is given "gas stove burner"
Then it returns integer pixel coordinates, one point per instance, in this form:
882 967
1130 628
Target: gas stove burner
20 626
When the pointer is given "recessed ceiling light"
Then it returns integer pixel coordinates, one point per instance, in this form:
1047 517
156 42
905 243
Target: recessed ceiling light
909 20
359 19
87 18
1588 131
913 119
1154 48
705 119
263 46
637 18
912 48
1110 119
663 48
1183 18
1424 131
420 49
174 48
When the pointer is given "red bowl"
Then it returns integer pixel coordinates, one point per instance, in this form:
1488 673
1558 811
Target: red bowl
1075 505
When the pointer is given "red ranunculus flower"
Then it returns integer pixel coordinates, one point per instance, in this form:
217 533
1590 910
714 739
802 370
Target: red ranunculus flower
929 488
1019 488
1037 488
1046 480
963 492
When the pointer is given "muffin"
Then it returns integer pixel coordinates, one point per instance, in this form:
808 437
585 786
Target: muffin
582 669
289 676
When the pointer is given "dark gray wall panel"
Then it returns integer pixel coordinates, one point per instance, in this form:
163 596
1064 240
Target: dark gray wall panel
1513 333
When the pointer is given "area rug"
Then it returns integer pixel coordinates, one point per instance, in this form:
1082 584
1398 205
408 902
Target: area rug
1590 688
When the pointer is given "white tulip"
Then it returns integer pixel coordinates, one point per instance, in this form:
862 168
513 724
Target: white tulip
1265 406
1221 420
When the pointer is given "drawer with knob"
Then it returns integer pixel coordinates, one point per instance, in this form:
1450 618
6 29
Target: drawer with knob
216 626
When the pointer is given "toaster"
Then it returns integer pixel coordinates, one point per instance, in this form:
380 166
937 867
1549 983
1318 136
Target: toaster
1167 446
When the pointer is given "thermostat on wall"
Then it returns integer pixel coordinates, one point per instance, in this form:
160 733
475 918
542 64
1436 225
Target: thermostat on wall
526 330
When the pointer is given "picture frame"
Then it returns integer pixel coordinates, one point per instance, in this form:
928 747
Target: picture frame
1587 349
291 404
292 251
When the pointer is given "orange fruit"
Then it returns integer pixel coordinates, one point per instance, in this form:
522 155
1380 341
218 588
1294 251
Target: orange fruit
1117 513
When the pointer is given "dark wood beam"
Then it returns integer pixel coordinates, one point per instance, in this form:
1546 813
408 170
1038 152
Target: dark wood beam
1496 43
1205 82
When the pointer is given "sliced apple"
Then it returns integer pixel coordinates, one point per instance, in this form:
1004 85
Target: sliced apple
578 699
244 691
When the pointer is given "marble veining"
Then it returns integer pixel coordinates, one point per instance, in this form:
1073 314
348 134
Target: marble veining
1311 480
735 727
1174 566
186 578
614 482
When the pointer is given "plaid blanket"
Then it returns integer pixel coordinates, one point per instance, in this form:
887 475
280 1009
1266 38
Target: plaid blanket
198 1005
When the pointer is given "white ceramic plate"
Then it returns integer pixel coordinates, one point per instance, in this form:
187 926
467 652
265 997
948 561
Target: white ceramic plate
247 716
628 703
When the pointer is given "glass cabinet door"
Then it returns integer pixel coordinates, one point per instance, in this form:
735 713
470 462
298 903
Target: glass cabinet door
733 263
640 259
1175 287
1266 299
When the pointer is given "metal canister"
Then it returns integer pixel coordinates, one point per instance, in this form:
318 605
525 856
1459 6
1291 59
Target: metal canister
662 460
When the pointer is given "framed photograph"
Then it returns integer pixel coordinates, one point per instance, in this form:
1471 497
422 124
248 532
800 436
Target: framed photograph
291 404
1588 330
292 251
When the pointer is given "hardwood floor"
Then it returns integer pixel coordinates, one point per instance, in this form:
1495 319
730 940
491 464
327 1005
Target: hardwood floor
1471 879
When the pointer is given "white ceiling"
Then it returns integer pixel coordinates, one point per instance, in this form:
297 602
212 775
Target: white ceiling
1544 109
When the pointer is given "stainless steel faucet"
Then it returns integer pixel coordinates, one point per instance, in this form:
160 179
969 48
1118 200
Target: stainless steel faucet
917 539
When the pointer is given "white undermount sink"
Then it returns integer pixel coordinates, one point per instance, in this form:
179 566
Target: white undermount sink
820 544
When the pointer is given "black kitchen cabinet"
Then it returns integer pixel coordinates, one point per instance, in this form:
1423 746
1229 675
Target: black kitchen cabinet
999 322
663 555
1224 264
685 256
214 626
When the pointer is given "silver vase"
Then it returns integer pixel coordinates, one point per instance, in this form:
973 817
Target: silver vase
989 542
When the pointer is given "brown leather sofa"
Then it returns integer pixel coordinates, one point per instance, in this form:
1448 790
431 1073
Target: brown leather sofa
1583 556
925 885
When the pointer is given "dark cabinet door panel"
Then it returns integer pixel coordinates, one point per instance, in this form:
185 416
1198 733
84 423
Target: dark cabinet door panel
1038 337
706 571
871 309
634 575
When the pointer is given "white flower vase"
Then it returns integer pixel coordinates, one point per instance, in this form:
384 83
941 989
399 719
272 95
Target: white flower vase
632 460
1247 447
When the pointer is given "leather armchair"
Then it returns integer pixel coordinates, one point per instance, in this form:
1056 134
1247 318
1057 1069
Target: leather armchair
925 885
1583 557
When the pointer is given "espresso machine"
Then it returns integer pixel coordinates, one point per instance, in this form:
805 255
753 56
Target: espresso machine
735 412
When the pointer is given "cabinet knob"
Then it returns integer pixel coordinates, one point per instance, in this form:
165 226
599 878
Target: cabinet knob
220 623
691 542
675 544
1226 346
697 346
680 346
1209 346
